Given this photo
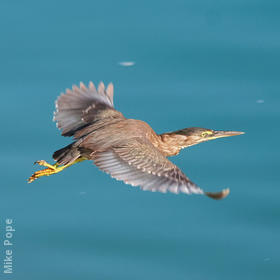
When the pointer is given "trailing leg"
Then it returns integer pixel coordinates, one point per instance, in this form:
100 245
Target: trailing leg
51 168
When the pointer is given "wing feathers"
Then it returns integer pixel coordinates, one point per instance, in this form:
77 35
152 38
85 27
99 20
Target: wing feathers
82 105
139 163
110 92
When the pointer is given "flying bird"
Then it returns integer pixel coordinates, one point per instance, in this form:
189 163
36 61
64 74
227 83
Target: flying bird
127 149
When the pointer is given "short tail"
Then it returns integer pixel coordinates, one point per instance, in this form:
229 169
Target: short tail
66 155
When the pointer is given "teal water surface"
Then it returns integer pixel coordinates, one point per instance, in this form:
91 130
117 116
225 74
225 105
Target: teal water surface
212 64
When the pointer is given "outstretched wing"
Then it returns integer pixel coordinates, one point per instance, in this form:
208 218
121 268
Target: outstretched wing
139 163
82 106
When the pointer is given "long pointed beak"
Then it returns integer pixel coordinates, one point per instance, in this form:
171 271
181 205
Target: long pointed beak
221 133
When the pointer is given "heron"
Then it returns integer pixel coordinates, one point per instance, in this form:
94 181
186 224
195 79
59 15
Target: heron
127 149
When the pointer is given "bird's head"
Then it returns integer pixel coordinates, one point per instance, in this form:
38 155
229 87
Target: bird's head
196 135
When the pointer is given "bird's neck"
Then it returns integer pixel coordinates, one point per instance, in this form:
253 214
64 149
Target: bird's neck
170 144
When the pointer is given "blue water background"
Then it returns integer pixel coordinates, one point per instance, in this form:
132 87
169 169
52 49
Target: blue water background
212 64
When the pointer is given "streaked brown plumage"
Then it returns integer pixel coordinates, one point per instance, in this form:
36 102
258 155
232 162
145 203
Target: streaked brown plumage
127 149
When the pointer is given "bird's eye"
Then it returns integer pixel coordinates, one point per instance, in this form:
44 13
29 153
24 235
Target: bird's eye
206 134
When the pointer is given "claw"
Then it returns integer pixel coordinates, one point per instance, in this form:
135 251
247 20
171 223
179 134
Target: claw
51 169
38 174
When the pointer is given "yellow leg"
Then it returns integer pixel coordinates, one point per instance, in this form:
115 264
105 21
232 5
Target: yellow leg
51 168
44 163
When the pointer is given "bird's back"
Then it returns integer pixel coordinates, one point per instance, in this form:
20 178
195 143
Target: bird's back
117 132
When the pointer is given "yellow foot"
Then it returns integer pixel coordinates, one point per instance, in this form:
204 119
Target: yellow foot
40 173
51 169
